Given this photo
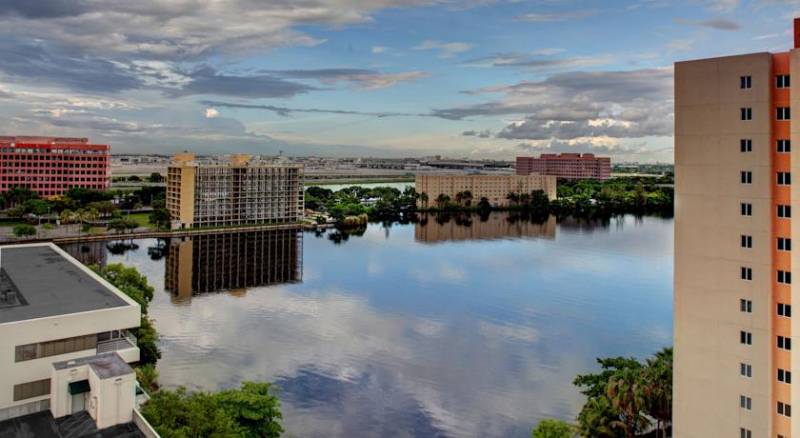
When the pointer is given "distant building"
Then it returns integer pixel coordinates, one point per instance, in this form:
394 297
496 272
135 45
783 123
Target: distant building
567 166
495 188
51 165
65 343
238 192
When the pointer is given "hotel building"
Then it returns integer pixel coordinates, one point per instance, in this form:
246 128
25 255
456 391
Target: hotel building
495 188
64 347
233 261
240 192
50 165
567 166
733 322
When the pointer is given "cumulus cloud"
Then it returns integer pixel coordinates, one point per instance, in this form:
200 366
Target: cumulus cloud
445 49
212 113
486 133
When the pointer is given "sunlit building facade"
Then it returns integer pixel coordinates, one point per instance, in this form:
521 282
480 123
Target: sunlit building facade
240 192
733 323
494 188
566 165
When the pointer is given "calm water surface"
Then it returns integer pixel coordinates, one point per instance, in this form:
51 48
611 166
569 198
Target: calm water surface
447 329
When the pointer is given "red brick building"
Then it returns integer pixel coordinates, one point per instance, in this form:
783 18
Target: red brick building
567 165
50 165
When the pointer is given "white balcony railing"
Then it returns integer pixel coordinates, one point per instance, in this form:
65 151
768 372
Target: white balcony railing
129 341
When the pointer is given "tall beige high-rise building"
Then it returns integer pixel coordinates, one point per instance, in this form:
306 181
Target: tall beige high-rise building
239 192
733 324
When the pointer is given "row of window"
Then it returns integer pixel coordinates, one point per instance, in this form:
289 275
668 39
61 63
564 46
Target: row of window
781 81
783 277
782 342
783 211
24 391
783 146
784 310
781 113
746 402
783 178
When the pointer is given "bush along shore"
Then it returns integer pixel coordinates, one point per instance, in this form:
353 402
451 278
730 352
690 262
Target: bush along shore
353 206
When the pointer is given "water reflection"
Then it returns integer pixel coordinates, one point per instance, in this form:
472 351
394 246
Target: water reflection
442 228
388 335
232 261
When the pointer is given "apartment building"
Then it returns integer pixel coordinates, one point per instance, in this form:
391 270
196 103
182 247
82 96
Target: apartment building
238 192
733 322
65 345
52 165
233 261
566 165
494 188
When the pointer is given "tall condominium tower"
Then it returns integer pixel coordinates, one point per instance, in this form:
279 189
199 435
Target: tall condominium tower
734 327
239 192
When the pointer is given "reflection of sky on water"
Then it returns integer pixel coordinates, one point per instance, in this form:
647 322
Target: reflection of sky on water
390 337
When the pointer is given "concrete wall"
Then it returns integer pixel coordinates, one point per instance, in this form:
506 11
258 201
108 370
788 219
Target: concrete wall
708 256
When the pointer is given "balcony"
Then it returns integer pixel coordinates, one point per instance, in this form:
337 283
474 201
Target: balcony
125 346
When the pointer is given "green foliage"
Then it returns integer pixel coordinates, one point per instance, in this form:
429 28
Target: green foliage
155 177
121 225
160 216
147 375
250 411
38 207
18 195
553 429
24 230
133 284
379 203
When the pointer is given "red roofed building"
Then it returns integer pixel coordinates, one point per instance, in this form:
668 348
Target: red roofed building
51 165
566 165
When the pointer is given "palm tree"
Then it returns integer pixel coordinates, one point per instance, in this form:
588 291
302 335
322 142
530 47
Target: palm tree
467 196
513 197
459 197
423 197
442 200
625 390
658 390
596 418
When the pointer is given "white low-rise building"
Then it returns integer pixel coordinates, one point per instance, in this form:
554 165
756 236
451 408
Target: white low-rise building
65 344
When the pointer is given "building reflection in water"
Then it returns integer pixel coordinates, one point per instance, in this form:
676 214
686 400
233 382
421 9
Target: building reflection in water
89 253
433 229
233 261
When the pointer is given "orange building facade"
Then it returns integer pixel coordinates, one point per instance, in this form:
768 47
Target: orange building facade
733 322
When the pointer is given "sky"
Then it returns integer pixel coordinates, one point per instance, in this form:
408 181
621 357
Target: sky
477 79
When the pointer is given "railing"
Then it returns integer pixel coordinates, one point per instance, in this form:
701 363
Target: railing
144 427
129 341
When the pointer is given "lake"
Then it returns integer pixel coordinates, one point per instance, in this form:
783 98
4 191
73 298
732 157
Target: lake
460 327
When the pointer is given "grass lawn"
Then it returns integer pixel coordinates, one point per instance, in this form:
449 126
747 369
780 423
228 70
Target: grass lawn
143 219
12 223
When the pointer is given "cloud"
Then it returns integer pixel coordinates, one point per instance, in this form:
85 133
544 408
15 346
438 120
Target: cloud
361 78
286 111
536 61
211 113
542 17
713 23
379 49
486 133
445 49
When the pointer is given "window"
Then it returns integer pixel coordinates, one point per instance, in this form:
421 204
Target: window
784 211
745 369
746 113
746 273
784 145
782 81
784 244
745 433
745 402
53 348
784 376
745 338
747 241
746 177
785 310
746 145
746 208
784 178
745 82
784 409
784 343
28 390
783 113
784 277
746 306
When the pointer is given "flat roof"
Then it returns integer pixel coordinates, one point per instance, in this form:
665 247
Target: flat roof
37 281
105 365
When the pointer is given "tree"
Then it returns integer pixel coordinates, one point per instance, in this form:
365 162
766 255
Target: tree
513 197
658 390
24 230
423 197
539 201
249 411
160 216
626 392
18 195
553 429
597 418
155 177
442 200
147 375
121 225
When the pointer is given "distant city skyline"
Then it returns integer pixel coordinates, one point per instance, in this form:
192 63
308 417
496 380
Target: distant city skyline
474 79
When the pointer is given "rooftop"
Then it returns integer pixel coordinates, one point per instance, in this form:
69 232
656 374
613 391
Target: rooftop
106 365
37 281
80 425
